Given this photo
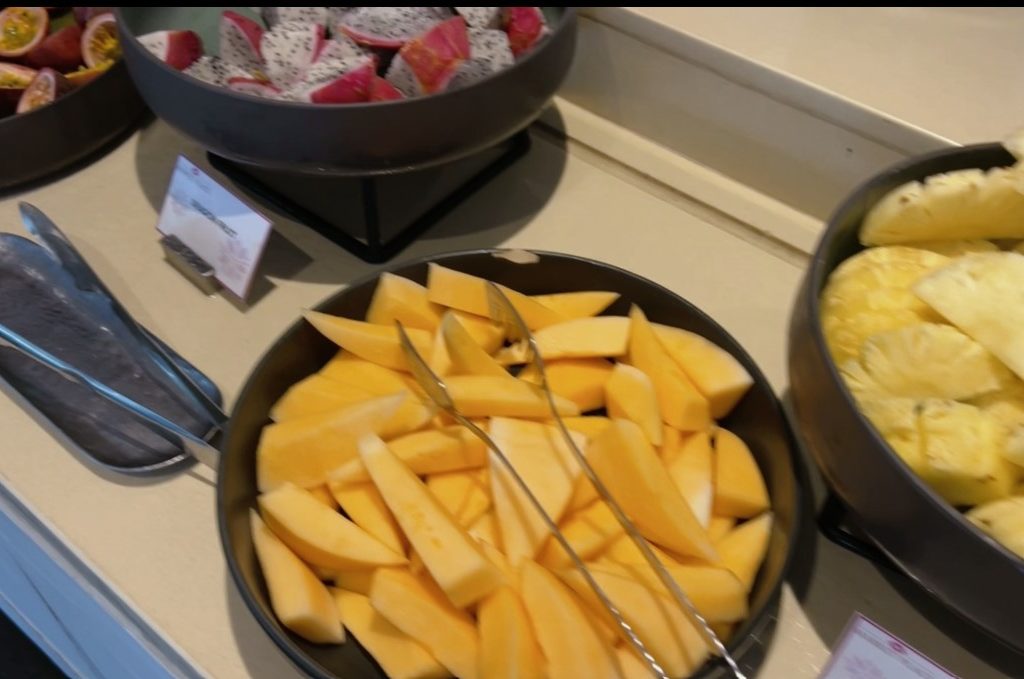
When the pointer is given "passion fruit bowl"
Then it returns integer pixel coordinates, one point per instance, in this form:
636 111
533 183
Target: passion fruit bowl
356 139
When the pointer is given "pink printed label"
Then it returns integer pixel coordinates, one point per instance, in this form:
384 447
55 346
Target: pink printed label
866 651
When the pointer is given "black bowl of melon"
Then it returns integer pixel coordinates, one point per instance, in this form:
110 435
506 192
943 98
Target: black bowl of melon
372 536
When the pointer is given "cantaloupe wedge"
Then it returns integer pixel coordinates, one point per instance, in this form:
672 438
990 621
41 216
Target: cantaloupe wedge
622 550
316 394
322 536
324 497
398 655
739 487
508 647
716 592
486 396
365 507
485 332
357 372
430 451
629 467
632 666
657 620
542 458
376 343
581 380
629 394
587 425
416 606
583 495
467 357
691 471
724 630
399 299
469 293
355 581
715 372
509 575
719 527
599 337
306 450
569 641
743 549
465 494
485 528
671 444
578 304
588 533
682 405
300 601
449 554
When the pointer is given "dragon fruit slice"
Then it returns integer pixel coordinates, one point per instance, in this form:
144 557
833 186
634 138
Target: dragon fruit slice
272 16
389 26
525 27
254 86
427 63
341 47
289 49
490 52
240 41
177 49
481 17
215 71
382 90
336 82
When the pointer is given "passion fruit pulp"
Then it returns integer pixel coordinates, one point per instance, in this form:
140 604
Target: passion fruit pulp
13 81
21 29
84 75
99 40
44 89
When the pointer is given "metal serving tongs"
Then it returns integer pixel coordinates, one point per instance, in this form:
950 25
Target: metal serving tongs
201 448
178 382
504 312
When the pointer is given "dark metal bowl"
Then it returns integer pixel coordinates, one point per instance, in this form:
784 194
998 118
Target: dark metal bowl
926 537
302 351
53 137
343 139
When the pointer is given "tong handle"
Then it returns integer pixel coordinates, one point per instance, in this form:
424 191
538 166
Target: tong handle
192 444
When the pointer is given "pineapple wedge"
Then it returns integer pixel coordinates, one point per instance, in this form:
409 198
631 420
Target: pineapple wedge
1003 520
955 248
896 419
931 360
968 203
981 295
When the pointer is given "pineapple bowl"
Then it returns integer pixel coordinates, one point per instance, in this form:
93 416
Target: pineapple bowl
907 371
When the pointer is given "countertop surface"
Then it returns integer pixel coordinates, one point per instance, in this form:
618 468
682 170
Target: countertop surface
951 71
154 541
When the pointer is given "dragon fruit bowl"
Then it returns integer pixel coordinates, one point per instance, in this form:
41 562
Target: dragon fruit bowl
347 91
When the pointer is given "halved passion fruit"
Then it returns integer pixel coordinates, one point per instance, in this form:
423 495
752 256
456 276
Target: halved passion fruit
83 75
45 88
21 29
99 40
13 81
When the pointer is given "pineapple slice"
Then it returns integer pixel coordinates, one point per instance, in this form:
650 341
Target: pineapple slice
955 248
981 295
896 419
962 454
930 360
969 203
1003 520
1007 406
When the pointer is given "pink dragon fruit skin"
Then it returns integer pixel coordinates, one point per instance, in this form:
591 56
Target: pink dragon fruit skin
389 27
272 16
481 17
525 27
240 41
253 86
342 82
177 49
434 57
289 49
382 90
215 71
490 52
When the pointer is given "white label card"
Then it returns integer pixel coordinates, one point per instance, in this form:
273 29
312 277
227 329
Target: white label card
866 651
214 224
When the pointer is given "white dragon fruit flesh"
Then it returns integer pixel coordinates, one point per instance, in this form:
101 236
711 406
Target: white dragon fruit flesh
272 16
177 49
289 49
481 17
215 71
389 26
428 62
343 81
525 27
341 47
253 86
240 41
489 51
